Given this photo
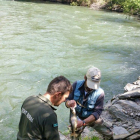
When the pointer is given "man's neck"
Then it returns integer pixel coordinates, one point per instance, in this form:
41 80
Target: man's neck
48 96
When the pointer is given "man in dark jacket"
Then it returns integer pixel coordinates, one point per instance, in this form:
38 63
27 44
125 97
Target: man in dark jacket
88 98
38 120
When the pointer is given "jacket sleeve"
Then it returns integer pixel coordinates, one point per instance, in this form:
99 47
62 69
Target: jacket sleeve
98 106
51 128
71 96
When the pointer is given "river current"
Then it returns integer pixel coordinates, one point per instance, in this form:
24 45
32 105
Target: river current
39 41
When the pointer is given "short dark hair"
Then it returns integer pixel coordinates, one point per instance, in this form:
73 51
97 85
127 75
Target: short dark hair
59 84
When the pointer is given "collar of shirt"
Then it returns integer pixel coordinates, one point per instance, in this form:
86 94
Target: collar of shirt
43 98
82 88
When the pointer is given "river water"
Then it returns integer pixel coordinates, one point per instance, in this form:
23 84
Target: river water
39 41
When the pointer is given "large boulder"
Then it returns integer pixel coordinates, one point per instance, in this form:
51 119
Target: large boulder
122 113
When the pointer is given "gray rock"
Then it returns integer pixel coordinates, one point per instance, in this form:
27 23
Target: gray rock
137 101
123 111
116 111
125 125
136 82
137 124
130 87
120 131
131 94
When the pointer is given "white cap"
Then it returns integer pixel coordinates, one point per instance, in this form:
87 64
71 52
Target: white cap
93 78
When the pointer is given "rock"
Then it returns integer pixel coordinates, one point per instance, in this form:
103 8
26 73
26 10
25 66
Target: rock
130 87
137 82
123 112
120 131
125 125
137 124
131 94
137 101
117 111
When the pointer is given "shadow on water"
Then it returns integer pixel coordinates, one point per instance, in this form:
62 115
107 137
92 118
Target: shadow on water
44 1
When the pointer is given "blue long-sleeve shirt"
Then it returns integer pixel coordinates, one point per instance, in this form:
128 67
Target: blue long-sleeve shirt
98 108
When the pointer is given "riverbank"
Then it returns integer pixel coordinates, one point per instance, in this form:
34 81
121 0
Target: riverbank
113 7
127 7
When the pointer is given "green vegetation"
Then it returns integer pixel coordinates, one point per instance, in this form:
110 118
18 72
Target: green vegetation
131 7
127 6
93 138
80 3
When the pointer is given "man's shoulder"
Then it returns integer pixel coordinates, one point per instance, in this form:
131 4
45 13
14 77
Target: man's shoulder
78 82
101 92
30 97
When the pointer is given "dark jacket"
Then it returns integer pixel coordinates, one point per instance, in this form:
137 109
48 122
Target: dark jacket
98 107
38 120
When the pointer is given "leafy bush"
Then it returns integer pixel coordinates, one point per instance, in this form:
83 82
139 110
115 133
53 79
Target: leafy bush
132 6
128 6
80 2
73 3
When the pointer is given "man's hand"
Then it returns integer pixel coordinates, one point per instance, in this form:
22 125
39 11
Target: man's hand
71 103
79 123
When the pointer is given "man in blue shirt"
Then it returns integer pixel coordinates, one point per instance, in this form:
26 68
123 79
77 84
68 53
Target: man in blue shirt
88 98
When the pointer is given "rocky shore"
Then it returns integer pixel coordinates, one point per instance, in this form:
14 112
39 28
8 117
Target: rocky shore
122 112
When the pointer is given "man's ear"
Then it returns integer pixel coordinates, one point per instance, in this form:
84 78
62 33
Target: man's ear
85 77
58 94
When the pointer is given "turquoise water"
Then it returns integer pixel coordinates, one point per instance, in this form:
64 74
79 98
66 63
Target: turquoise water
39 41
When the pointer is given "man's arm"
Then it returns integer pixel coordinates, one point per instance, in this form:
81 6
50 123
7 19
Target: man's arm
69 101
97 112
99 106
87 121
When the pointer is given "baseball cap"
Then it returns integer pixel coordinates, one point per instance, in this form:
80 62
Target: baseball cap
93 78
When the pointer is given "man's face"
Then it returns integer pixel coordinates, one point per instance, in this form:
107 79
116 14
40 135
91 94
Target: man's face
61 98
87 89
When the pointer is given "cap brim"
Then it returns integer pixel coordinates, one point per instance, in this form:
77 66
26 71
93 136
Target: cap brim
92 84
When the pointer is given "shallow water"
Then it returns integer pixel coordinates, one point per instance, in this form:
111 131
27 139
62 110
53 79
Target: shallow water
39 41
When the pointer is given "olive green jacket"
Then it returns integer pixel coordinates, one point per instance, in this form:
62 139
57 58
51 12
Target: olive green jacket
38 120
